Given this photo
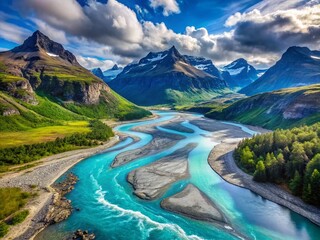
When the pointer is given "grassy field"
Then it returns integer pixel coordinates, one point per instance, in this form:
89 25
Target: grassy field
12 200
42 134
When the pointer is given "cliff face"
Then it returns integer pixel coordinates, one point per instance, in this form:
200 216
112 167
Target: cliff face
42 64
19 88
281 108
42 70
77 91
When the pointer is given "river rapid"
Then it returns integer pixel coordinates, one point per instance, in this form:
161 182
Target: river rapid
110 210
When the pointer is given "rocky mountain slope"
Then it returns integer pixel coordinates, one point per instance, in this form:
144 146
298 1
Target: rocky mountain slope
279 109
298 66
239 73
166 78
204 64
41 67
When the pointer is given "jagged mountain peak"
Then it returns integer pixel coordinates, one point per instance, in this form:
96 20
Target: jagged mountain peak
298 66
239 73
241 62
115 67
98 72
170 56
39 42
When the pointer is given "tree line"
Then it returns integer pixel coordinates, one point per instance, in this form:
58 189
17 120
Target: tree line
27 153
285 156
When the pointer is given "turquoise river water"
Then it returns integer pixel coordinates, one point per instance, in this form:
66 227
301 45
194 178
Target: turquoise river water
111 211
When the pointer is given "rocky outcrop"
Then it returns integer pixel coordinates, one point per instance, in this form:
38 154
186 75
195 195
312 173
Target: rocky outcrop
20 89
82 235
10 112
151 181
193 203
60 208
78 91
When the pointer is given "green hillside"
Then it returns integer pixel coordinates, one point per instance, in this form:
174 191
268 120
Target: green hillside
279 109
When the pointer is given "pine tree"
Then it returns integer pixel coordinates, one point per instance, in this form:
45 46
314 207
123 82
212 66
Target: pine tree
260 173
295 184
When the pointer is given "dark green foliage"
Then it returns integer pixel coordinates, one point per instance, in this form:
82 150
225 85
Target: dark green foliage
18 217
295 184
4 228
260 172
100 131
285 156
27 153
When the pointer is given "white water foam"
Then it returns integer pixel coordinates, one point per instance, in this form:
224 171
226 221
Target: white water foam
141 217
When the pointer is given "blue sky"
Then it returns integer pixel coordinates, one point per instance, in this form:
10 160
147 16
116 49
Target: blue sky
101 33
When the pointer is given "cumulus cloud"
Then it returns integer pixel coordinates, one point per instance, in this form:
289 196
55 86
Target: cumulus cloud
274 32
168 6
112 30
112 23
90 63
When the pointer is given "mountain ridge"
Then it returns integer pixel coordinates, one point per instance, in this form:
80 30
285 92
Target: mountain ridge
42 66
239 73
298 66
165 78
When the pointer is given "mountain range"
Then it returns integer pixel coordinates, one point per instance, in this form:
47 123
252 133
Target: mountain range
166 78
298 66
41 72
109 74
239 73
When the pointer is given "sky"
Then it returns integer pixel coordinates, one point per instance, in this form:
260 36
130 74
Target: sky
104 32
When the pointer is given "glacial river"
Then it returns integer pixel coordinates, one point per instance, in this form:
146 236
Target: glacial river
110 210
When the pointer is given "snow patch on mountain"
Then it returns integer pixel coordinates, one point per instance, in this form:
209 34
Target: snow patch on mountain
235 71
315 57
52 55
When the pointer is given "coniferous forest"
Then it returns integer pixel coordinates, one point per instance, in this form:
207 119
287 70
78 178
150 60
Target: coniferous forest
285 156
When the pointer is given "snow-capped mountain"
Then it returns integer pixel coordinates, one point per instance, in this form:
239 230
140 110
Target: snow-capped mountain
109 74
112 73
165 78
239 73
204 64
298 66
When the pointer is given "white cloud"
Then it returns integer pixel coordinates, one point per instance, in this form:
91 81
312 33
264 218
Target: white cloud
12 32
168 6
113 31
90 63
53 33
112 23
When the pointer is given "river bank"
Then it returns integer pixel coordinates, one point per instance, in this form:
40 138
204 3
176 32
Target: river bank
222 162
226 135
43 176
